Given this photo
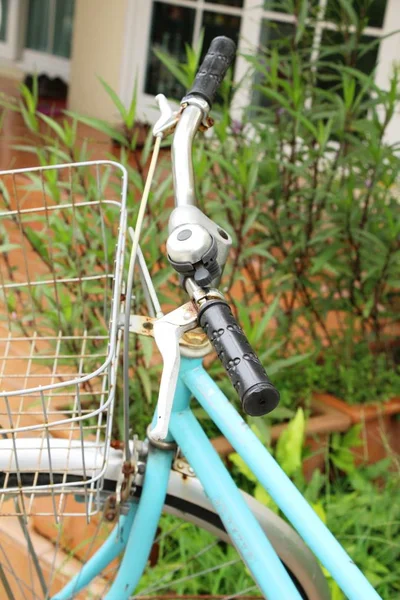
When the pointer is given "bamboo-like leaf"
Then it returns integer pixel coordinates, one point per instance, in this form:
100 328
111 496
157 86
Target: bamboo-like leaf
290 444
99 125
52 123
115 99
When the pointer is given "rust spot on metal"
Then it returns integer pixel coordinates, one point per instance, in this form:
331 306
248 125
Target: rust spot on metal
128 468
117 444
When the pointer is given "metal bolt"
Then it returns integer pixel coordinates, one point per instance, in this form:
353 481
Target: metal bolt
187 315
191 471
180 465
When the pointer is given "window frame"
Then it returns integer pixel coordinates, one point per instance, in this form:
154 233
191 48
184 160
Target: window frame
28 60
137 40
10 47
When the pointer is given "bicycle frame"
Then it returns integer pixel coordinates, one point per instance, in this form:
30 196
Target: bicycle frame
137 530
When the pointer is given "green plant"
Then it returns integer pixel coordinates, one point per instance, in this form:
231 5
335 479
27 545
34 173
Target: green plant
363 517
188 550
356 503
307 186
309 196
328 181
288 453
57 140
354 374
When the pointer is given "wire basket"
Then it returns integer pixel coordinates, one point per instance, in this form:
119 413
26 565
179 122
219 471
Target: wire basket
62 232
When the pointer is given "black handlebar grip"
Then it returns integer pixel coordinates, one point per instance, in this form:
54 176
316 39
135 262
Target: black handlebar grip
257 394
213 69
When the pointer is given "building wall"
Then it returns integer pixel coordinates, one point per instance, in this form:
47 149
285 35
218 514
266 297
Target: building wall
97 50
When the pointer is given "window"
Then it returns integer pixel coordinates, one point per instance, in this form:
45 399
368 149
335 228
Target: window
49 27
170 24
326 29
175 24
37 35
3 19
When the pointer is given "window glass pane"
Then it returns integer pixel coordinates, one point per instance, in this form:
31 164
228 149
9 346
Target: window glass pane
215 24
288 7
280 36
63 28
364 60
283 6
374 10
4 16
37 33
238 3
171 28
272 30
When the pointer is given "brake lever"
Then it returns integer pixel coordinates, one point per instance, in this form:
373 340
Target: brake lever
167 332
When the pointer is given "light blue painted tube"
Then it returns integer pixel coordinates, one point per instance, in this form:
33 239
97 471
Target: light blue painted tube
111 548
242 526
144 527
321 541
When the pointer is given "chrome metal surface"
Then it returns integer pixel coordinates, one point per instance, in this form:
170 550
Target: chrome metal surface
160 444
167 332
188 243
61 306
191 215
182 165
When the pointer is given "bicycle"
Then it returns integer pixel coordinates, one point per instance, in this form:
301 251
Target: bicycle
56 456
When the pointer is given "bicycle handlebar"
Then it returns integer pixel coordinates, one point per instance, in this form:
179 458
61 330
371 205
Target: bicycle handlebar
213 69
257 394
249 378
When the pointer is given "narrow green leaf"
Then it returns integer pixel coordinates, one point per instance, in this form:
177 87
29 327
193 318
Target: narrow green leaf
115 98
99 125
301 21
290 444
131 115
56 127
262 325
173 67
239 463
8 247
145 381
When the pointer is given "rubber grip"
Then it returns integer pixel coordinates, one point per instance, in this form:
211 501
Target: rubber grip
257 394
213 69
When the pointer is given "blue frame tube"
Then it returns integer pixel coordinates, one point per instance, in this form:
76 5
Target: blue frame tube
137 530
321 541
243 528
112 547
144 526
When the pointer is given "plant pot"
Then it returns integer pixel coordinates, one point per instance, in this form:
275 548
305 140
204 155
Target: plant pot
324 420
380 430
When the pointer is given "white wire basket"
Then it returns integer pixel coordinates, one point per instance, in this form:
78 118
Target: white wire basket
62 242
